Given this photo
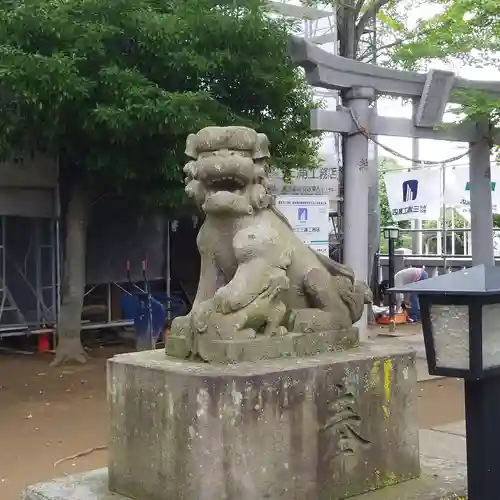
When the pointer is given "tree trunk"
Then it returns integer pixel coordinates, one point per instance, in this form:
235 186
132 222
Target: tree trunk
346 22
69 345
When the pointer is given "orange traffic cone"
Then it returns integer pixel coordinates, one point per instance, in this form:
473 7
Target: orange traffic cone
44 339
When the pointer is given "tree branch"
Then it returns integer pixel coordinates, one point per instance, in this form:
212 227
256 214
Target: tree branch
369 14
371 52
359 6
399 41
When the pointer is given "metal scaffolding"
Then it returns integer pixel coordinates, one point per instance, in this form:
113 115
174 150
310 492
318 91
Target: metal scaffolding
29 244
28 274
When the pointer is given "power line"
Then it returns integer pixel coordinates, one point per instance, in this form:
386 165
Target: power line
420 167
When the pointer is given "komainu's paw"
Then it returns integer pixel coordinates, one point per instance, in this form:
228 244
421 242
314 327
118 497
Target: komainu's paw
201 316
222 301
355 302
181 326
279 331
361 287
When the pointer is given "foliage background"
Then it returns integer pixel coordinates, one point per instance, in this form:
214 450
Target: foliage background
113 88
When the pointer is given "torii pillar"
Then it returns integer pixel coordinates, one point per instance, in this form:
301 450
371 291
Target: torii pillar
356 187
359 82
481 209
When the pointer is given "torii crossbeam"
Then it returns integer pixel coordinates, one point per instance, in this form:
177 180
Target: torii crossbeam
360 83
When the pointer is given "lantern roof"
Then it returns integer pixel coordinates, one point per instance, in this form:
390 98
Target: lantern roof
477 280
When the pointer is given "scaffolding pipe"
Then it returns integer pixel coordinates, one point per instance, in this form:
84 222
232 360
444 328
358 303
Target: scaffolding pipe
168 279
38 269
108 301
443 209
58 253
453 231
4 269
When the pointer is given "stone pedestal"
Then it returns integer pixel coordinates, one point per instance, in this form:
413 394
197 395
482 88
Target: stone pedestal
264 347
443 477
318 428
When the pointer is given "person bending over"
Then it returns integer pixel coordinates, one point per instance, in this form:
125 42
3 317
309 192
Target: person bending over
406 277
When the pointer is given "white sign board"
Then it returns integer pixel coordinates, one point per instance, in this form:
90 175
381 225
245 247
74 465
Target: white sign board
322 181
496 244
415 194
308 216
457 190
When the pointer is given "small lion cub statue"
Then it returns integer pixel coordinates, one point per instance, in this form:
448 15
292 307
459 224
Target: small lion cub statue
251 301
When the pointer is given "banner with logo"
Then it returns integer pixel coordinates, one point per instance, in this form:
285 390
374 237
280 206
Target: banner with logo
415 194
457 190
309 218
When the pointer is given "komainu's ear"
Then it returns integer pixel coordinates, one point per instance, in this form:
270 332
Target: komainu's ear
286 258
191 146
195 190
259 198
261 149
190 169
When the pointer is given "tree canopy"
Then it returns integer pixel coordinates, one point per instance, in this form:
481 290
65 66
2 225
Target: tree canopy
113 88
372 30
463 30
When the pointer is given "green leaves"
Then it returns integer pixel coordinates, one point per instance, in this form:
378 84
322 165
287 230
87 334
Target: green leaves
391 21
113 88
467 30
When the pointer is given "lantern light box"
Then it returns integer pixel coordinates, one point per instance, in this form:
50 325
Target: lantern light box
460 314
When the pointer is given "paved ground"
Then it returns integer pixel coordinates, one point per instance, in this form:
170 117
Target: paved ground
48 414
448 440
410 335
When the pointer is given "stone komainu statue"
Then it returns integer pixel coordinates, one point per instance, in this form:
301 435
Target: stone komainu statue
258 281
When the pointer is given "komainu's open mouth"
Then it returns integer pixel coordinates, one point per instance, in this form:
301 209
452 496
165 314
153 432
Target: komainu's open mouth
230 184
